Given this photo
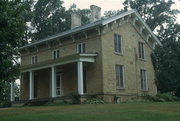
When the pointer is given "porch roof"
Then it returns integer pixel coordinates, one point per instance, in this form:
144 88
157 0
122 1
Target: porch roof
84 57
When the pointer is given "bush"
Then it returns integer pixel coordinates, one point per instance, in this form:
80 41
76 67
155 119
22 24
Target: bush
164 97
94 101
5 104
76 98
167 97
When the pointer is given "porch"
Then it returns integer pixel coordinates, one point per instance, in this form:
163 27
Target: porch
56 78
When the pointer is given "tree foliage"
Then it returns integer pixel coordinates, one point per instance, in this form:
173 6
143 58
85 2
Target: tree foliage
167 60
112 13
4 90
154 12
11 31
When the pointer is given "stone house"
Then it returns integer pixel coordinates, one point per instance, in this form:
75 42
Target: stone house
108 59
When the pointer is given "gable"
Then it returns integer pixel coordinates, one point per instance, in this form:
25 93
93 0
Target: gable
134 19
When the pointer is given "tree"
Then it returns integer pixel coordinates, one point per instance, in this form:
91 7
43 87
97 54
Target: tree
4 90
48 18
27 15
11 31
167 60
112 13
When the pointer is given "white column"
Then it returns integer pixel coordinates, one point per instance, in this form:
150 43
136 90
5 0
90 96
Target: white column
12 91
80 77
31 85
53 81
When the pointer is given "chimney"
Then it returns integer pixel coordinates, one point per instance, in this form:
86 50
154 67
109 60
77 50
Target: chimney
75 20
95 13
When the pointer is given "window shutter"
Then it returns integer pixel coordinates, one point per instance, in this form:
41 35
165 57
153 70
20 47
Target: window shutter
84 48
57 53
115 43
35 59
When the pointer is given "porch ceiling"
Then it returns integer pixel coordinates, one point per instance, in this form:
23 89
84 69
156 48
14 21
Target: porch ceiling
85 57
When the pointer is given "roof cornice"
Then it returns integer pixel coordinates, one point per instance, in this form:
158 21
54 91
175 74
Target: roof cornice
93 25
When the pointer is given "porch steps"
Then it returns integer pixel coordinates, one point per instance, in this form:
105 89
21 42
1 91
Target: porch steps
37 102
17 104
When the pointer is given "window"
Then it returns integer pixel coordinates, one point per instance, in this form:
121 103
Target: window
34 59
81 48
117 43
55 54
141 50
120 76
143 79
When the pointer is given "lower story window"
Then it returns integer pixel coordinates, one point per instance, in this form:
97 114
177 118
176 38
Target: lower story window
143 74
120 76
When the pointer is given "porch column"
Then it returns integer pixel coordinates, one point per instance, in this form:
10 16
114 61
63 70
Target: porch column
12 91
53 81
31 85
80 77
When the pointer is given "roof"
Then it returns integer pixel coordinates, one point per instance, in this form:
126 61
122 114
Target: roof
93 25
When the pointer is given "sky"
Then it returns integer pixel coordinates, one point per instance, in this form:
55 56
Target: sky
108 4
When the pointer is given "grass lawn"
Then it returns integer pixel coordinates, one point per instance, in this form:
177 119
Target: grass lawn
101 112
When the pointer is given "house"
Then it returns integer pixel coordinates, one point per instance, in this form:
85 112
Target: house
109 59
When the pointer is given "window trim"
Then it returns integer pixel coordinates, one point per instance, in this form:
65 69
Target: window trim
34 59
81 45
143 45
121 44
118 86
56 54
146 80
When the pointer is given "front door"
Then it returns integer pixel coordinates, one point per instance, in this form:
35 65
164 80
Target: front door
59 84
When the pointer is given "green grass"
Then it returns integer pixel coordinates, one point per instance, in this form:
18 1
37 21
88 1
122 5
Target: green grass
101 112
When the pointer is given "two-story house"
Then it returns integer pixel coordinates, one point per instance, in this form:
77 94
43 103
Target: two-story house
109 59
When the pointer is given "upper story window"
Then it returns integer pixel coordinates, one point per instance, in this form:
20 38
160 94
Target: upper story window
120 76
55 54
141 50
81 48
118 43
143 75
34 59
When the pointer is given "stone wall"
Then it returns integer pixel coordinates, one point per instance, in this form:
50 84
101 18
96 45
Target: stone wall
129 59
24 87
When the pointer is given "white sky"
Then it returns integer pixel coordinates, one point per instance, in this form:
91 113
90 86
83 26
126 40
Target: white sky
107 4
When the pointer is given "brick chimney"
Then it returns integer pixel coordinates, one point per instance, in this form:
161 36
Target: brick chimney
95 13
75 20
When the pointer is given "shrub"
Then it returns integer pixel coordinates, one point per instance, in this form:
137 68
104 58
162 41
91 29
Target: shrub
167 97
164 97
94 101
76 98
4 104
